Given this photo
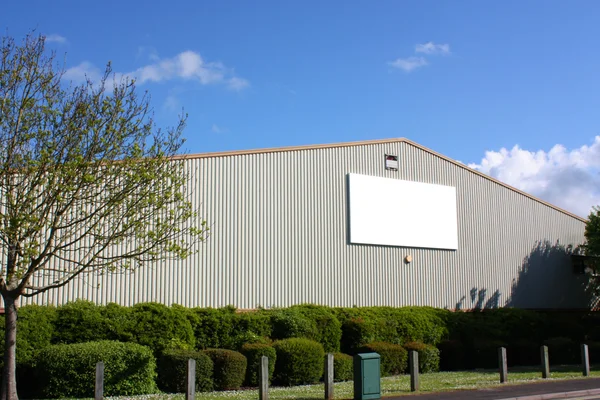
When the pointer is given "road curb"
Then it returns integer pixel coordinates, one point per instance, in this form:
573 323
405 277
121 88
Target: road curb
560 395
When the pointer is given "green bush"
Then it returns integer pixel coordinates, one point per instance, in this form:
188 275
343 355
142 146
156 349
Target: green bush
172 371
523 352
254 353
214 328
289 323
392 325
593 350
68 370
328 326
562 350
299 361
343 367
35 329
394 358
484 353
429 356
357 332
229 368
78 322
252 323
156 326
244 338
452 355
118 324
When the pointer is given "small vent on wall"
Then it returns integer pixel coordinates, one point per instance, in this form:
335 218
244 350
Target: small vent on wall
391 162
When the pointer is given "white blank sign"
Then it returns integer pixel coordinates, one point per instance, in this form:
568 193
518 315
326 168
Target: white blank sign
393 212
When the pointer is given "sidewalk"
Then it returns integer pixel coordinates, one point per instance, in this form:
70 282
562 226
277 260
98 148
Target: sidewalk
560 389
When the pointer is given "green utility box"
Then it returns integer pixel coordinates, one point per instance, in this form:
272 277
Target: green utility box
367 376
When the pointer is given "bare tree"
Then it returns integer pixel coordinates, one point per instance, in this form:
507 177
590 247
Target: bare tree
87 182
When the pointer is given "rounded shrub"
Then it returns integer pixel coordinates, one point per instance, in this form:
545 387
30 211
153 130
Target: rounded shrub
78 322
118 323
394 358
68 370
328 326
172 371
429 356
249 338
357 332
214 328
289 323
35 329
257 323
156 326
229 368
254 352
299 361
343 368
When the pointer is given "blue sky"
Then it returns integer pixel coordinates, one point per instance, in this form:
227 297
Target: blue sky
509 87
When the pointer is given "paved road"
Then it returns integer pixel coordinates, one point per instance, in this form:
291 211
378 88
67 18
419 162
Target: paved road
580 389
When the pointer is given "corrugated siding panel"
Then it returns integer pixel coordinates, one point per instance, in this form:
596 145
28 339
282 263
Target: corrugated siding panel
280 237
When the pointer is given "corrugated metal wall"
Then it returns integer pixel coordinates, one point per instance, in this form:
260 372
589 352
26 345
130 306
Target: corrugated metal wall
279 237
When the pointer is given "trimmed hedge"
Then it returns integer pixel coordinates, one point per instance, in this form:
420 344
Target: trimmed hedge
68 370
229 368
172 371
214 328
466 340
392 325
291 323
343 368
357 332
157 326
394 358
429 356
452 355
299 361
562 350
328 326
79 322
254 353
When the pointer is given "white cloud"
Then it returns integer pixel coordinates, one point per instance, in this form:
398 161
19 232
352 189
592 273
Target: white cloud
236 83
409 64
569 179
55 38
81 72
216 129
432 48
187 65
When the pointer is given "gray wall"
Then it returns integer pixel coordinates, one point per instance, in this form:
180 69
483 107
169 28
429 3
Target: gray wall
279 237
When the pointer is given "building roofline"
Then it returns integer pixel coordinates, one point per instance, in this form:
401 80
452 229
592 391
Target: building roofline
371 142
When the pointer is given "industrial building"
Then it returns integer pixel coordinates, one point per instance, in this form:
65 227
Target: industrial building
382 222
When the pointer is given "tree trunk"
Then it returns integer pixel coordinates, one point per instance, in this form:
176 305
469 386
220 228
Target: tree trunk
9 375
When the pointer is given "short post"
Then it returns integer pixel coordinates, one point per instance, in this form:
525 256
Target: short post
413 360
263 378
545 362
502 365
99 389
329 376
190 393
585 360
